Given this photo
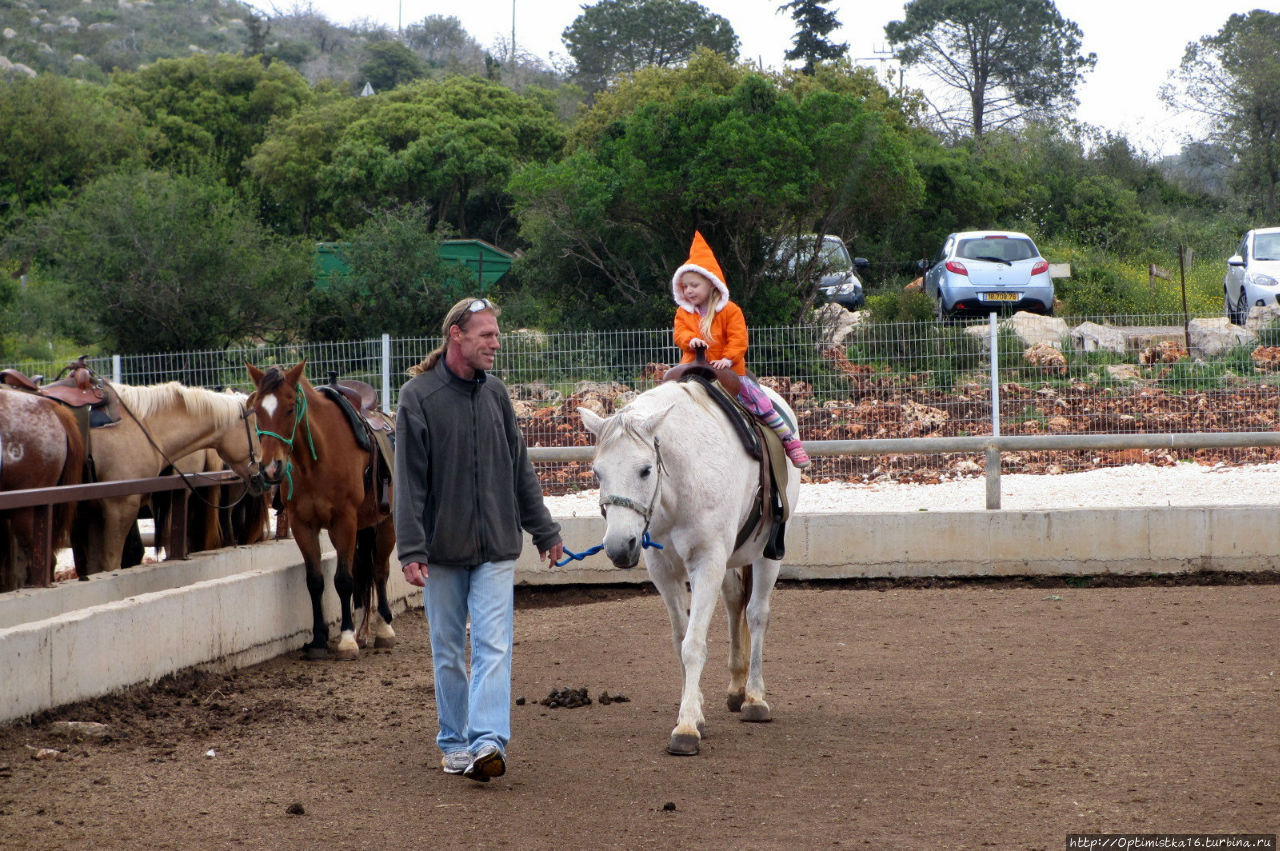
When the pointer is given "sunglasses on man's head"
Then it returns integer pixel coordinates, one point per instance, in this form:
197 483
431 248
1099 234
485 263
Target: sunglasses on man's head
480 304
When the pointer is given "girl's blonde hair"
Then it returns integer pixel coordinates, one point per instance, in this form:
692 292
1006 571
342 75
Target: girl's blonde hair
460 314
709 313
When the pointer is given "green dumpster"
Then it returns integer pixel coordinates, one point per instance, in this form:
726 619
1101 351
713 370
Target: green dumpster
486 262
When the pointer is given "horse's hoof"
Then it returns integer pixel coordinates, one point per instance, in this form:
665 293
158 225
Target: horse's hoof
346 655
683 744
757 712
316 654
384 642
735 702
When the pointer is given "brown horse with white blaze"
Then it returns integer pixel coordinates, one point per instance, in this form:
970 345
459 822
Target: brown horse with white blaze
310 451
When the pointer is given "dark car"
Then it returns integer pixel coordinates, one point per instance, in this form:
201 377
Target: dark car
838 282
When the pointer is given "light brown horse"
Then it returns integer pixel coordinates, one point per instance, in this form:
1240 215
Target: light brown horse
40 446
160 423
310 451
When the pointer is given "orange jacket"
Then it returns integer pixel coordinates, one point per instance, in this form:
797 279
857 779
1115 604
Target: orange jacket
728 336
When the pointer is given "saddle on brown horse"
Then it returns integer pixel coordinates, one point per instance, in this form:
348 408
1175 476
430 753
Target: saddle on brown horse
771 510
373 430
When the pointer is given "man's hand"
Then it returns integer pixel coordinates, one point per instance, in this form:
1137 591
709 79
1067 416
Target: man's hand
553 555
415 573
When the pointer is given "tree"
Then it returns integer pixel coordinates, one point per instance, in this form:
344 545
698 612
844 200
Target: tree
814 22
1233 79
389 64
56 135
396 284
607 224
210 111
442 42
622 36
451 144
1009 59
166 264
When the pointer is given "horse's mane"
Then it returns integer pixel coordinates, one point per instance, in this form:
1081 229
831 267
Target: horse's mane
222 409
626 422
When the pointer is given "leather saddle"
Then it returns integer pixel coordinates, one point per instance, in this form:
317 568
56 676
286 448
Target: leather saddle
76 387
770 512
374 432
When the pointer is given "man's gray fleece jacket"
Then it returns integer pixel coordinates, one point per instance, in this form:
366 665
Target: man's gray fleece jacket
464 485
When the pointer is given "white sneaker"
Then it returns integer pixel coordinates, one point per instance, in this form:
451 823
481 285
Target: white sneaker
487 764
455 762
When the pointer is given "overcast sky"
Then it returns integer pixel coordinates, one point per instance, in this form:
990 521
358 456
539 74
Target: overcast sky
1138 42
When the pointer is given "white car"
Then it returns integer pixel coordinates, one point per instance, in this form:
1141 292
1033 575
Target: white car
989 271
1253 274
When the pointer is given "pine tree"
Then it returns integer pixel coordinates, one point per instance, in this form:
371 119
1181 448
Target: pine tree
813 24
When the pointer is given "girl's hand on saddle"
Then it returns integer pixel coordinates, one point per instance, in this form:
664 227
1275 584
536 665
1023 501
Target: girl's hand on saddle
698 343
415 573
722 363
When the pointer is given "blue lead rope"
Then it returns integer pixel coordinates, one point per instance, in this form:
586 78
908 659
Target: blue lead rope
570 555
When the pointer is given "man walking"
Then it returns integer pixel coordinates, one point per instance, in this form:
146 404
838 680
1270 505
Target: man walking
464 490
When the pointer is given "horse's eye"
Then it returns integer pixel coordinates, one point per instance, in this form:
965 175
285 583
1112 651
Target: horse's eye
644 473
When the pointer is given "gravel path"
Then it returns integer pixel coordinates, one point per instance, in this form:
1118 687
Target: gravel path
1137 485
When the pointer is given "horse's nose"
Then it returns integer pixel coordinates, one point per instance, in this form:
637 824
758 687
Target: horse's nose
271 472
625 556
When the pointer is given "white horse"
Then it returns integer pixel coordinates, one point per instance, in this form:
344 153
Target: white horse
671 465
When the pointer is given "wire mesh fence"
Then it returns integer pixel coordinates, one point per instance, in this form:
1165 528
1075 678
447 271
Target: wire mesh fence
1116 375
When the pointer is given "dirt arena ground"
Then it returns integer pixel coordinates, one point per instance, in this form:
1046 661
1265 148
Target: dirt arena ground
969 716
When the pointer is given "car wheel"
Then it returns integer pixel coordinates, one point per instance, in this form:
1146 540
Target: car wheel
1242 308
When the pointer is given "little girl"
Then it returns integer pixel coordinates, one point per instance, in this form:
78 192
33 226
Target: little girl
707 319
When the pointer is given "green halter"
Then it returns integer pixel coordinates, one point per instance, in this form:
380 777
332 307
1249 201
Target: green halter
299 415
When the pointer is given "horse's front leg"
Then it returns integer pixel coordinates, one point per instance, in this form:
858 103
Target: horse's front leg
705 574
118 516
764 575
343 536
308 541
668 576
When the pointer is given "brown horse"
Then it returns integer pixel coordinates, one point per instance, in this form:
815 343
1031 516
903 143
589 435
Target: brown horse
40 446
310 451
160 423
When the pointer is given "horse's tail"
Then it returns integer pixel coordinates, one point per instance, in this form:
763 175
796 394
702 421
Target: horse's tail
362 570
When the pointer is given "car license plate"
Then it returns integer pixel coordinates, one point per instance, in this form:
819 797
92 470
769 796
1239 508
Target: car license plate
1001 296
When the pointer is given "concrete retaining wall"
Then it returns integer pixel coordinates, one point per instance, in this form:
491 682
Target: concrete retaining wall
243 605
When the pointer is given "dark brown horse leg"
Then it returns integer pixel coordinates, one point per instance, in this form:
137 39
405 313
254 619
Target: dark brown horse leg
309 545
343 536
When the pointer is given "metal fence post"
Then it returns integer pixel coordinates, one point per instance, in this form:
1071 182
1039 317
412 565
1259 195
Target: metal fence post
386 373
117 371
992 467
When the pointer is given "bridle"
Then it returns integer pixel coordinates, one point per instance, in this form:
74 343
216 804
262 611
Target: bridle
299 416
645 511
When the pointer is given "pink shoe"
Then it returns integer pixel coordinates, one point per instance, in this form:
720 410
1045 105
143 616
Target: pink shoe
795 451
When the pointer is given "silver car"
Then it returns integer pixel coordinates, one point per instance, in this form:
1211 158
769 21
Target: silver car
1253 274
991 271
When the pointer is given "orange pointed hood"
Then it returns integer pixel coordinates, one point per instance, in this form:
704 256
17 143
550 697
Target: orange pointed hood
703 261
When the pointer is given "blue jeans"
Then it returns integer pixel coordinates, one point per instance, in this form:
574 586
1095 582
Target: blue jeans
476 709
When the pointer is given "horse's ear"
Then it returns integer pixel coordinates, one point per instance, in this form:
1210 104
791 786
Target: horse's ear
593 421
294 375
254 373
651 421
